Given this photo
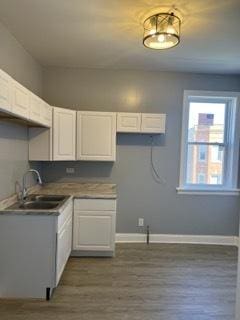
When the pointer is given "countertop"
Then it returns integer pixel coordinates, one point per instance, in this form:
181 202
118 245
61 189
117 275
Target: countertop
80 190
73 190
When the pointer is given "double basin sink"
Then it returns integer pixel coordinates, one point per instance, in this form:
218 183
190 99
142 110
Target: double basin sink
39 202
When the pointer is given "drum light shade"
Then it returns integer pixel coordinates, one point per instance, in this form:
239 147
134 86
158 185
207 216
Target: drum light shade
161 31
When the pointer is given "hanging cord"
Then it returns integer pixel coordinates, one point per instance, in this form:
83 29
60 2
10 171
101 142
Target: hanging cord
156 175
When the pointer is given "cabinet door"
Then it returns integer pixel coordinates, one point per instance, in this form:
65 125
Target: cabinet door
46 114
21 100
128 122
94 230
153 123
96 137
64 134
35 108
64 247
5 91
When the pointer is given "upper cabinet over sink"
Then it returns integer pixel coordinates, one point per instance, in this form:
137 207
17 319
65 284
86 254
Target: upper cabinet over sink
96 136
5 91
64 134
21 100
57 143
18 103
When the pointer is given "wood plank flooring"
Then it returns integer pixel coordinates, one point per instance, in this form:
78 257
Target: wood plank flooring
155 282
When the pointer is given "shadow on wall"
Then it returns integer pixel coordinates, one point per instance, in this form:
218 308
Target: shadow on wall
13 131
135 139
83 171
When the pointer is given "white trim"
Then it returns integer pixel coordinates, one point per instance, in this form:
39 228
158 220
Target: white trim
177 238
207 192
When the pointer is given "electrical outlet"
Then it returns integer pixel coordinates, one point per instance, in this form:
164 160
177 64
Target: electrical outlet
140 222
70 170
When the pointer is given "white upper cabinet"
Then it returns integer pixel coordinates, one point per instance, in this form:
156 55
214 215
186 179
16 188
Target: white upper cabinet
21 100
46 114
96 136
35 108
40 111
5 91
64 134
153 123
128 122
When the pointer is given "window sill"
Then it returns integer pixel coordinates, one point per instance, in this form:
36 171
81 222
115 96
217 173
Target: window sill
212 192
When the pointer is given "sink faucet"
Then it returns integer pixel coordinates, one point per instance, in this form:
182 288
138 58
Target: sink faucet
24 189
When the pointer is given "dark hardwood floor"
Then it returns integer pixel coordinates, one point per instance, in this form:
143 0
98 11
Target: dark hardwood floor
155 282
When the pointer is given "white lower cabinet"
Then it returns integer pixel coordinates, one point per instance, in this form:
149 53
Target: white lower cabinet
94 225
64 244
34 251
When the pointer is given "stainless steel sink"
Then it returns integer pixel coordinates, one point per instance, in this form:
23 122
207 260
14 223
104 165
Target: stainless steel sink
36 205
35 197
39 202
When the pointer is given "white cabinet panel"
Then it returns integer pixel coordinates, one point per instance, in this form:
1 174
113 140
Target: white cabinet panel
95 205
64 247
64 134
94 230
153 123
46 114
96 136
5 91
64 240
128 122
21 100
35 108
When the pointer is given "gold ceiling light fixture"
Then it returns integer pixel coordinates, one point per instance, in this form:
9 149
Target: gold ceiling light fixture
161 31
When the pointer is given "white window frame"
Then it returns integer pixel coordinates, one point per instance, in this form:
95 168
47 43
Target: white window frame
230 179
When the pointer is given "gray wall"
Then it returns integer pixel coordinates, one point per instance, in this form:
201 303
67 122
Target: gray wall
13 138
139 194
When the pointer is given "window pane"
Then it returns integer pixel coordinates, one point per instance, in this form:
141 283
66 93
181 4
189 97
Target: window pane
207 171
206 122
217 154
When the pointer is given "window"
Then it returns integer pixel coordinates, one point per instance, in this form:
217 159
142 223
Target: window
209 141
217 154
202 153
201 178
215 179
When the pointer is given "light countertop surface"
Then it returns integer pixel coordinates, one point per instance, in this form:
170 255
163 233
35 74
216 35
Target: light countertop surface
73 189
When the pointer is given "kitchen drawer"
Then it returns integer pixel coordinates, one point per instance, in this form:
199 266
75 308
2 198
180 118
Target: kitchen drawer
64 216
95 204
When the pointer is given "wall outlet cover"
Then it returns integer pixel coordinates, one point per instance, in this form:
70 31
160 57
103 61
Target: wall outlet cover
140 222
70 170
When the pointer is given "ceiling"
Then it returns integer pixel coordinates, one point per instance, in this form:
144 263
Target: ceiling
108 33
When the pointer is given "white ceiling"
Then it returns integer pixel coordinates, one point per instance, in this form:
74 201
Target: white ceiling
108 33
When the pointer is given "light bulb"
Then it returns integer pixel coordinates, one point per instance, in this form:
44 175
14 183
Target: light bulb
171 30
161 38
152 31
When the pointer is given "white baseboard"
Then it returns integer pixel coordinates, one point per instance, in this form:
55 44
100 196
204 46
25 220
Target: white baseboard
177 238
